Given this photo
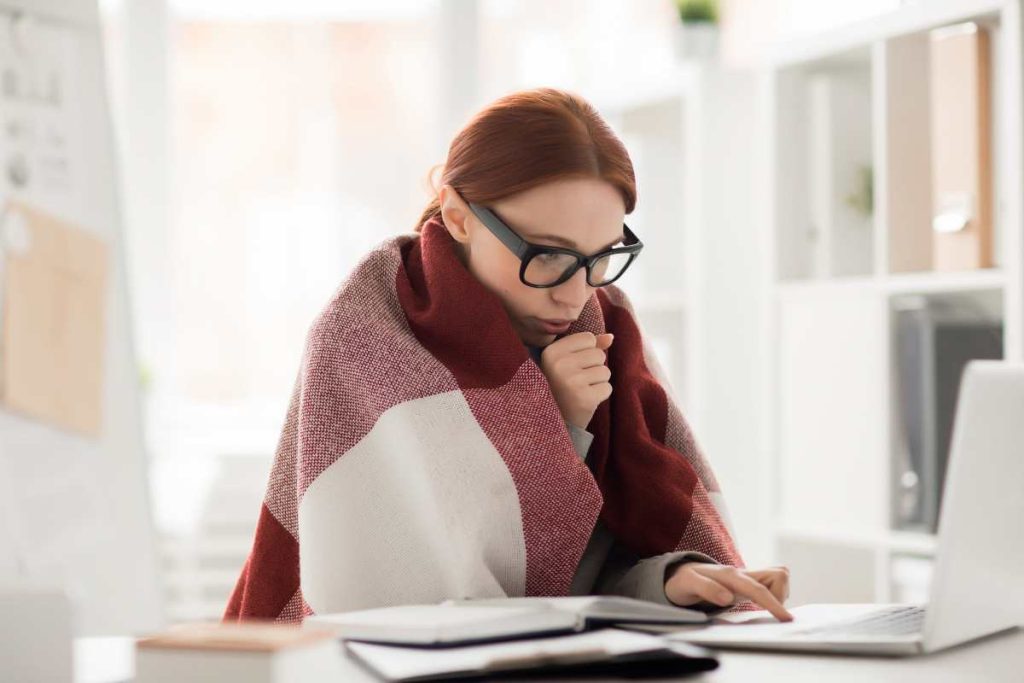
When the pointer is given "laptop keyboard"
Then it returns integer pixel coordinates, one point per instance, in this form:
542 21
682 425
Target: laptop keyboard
897 621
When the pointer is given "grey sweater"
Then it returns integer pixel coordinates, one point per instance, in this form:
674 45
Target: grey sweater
609 568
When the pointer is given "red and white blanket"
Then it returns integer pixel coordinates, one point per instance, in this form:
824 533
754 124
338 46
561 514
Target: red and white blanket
423 456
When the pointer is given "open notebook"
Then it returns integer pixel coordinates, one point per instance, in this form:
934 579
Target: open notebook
478 620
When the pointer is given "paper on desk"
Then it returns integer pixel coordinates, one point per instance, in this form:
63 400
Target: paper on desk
53 319
397 663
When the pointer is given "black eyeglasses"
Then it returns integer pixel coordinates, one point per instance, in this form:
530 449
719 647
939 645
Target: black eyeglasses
546 266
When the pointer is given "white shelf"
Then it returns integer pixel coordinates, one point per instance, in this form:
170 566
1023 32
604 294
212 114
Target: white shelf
797 285
919 16
912 543
831 400
905 283
969 281
896 542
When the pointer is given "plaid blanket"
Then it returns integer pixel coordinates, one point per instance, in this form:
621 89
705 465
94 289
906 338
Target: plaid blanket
423 456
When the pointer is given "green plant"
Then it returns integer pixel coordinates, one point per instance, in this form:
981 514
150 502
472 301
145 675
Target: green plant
863 199
697 11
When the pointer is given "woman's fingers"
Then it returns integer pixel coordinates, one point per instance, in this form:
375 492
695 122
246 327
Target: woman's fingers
709 590
596 374
740 583
589 358
605 340
781 578
775 585
686 587
776 579
763 597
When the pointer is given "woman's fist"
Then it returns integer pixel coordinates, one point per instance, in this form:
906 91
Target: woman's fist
576 370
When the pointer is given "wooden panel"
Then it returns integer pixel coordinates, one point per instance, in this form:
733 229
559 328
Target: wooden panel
908 154
961 141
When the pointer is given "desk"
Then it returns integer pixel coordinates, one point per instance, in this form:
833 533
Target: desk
997 659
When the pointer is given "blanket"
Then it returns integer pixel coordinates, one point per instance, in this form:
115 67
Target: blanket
423 455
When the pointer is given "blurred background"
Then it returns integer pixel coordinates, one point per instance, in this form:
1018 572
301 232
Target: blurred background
783 163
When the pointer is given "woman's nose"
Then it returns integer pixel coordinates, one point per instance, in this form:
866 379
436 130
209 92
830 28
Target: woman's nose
575 291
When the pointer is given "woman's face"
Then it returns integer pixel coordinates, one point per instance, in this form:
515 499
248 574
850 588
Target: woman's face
585 214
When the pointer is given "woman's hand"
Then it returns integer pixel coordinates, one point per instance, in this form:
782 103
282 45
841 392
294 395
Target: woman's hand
574 366
723 585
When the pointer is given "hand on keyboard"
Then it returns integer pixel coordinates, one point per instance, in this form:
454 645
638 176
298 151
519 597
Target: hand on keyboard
722 585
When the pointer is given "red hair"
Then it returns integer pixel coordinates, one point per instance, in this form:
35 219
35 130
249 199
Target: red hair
529 138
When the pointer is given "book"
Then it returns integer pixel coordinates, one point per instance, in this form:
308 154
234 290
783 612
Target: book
605 652
255 652
467 620
961 132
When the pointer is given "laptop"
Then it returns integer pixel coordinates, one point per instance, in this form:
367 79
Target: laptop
977 588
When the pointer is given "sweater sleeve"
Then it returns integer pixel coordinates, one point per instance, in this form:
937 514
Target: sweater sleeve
644 578
581 439
624 573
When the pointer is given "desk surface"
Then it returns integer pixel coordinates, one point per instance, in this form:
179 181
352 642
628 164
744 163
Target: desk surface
994 659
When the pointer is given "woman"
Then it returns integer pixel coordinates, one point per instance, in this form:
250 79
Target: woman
454 431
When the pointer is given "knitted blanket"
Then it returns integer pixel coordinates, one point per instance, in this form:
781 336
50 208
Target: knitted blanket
423 455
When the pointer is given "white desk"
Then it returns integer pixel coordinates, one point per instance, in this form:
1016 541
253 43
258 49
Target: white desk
995 659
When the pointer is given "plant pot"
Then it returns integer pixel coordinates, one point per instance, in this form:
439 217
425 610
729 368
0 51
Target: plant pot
696 41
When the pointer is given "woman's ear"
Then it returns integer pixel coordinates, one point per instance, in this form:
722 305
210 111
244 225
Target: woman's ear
455 213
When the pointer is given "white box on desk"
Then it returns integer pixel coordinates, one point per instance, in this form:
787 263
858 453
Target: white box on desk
254 652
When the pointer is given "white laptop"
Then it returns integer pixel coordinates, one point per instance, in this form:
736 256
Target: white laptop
977 587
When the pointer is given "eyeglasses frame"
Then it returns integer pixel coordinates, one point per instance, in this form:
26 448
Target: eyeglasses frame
527 250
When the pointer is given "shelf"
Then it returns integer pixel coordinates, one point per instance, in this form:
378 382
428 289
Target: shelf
912 543
912 18
917 117
870 325
806 532
902 542
823 111
936 282
989 279
796 285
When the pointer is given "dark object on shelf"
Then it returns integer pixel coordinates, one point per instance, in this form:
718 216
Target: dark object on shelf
933 344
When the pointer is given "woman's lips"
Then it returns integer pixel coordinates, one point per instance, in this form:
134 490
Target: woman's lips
554 327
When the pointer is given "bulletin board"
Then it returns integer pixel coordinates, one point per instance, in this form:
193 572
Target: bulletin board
74 501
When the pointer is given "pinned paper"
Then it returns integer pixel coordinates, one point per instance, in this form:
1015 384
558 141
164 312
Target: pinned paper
53 319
